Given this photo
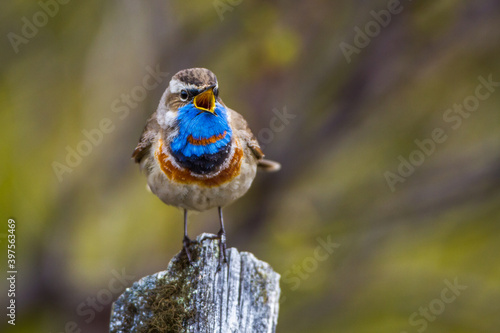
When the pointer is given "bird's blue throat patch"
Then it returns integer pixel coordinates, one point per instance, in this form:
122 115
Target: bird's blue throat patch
204 139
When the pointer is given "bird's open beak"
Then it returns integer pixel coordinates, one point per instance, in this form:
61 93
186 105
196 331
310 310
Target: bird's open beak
205 101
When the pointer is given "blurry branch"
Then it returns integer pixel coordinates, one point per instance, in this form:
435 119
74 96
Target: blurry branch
435 191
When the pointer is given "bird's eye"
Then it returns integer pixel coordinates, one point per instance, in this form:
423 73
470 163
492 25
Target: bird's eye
184 95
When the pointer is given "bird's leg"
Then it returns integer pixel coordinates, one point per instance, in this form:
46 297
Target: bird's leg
186 241
222 237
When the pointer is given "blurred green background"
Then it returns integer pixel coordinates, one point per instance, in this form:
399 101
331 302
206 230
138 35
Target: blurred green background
395 250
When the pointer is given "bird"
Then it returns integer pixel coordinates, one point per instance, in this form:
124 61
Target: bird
196 152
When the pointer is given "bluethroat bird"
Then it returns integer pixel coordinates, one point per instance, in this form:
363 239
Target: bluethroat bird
196 152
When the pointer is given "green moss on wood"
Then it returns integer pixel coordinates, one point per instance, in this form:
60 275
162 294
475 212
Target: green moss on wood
168 301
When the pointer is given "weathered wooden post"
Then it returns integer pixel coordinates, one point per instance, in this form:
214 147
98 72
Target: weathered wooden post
240 296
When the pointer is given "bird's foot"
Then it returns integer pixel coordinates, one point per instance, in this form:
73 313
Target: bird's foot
221 236
222 247
186 242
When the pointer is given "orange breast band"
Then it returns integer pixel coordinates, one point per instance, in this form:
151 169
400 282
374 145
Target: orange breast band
184 176
204 142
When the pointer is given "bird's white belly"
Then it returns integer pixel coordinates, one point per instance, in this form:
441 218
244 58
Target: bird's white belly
202 195
196 197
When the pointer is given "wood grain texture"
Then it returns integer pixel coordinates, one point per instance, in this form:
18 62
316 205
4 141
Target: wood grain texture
241 296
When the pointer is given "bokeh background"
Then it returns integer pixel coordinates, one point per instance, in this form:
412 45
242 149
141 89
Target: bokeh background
355 118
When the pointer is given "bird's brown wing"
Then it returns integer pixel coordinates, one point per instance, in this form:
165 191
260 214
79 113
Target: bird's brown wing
239 124
147 138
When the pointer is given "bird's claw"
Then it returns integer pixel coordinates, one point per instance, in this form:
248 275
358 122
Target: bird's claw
222 246
186 242
221 236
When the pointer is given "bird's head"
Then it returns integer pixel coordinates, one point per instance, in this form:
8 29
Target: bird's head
196 88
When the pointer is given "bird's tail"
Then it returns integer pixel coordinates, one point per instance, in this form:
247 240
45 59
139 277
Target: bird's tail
268 166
